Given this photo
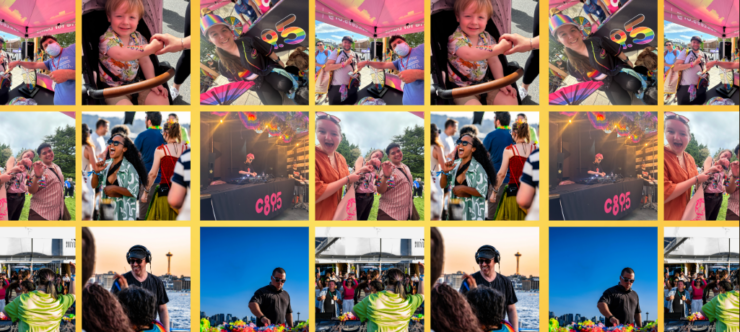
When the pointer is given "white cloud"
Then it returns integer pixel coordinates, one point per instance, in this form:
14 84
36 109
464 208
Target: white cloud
684 37
674 28
24 130
337 38
326 28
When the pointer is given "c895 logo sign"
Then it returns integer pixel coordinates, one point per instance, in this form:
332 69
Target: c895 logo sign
270 203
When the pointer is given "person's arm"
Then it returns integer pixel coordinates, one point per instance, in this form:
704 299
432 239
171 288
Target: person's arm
439 155
465 191
638 320
525 195
147 67
158 154
682 187
376 65
255 309
176 197
171 43
332 188
116 191
290 319
72 280
27 65
420 288
513 318
604 310
135 52
483 52
504 168
164 316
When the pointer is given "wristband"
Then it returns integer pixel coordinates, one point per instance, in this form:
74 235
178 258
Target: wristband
530 44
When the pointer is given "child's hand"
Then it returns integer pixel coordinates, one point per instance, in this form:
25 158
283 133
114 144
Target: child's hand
159 91
508 91
504 44
154 46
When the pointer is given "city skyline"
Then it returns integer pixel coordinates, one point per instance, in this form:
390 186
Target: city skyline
227 259
585 261
462 243
112 244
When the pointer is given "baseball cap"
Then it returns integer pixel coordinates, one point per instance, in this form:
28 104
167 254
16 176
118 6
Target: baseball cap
697 38
347 38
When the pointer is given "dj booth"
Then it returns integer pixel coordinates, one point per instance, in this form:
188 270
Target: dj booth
257 201
605 201
357 326
687 326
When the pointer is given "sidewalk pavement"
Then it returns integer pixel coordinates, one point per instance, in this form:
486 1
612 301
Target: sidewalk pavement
714 80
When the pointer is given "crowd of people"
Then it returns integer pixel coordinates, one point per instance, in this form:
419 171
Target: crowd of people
718 177
41 179
493 179
482 303
145 179
37 301
712 295
384 299
133 302
392 179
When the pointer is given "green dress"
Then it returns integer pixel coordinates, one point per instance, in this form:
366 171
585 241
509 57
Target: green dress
39 312
723 308
474 207
387 312
124 206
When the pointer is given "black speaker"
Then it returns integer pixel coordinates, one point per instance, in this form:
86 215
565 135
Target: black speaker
27 50
282 161
630 162
376 50
726 52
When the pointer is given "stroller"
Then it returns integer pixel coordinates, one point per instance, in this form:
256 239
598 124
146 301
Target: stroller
444 91
95 23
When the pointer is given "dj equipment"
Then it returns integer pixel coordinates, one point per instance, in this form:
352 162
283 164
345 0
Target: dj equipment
614 178
676 326
139 248
702 326
247 179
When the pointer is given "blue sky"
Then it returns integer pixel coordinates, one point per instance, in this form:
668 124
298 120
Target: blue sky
236 261
674 31
329 32
584 262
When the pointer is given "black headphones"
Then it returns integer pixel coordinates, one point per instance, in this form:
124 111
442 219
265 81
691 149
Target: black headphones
496 255
139 247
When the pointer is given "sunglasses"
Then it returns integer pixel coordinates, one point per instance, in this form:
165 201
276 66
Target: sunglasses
280 281
463 143
630 281
674 116
136 261
114 143
484 260
327 116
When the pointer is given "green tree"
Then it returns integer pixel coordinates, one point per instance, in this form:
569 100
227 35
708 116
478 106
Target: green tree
65 39
414 39
698 151
412 145
63 144
5 153
349 151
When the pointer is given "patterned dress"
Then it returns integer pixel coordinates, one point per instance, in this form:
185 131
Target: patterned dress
124 207
473 70
474 207
124 70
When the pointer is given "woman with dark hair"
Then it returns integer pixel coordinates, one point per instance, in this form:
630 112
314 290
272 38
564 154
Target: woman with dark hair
599 59
88 160
514 158
438 159
488 305
733 189
139 305
451 311
471 173
120 176
247 59
165 158
390 309
41 309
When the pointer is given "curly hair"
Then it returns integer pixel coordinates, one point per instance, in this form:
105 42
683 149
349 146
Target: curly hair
88 255
438 254
481 156
102 312
451 311
488 305
134 157
139 305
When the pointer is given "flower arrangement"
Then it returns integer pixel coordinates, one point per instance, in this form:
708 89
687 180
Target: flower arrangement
417 318
348 316
68 318
240 326
589 326
697 316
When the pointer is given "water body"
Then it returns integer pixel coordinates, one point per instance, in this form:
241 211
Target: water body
179 310
528 310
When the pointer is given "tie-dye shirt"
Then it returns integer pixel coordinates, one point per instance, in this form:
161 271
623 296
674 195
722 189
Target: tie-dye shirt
38 311
387 312
124 207
125 70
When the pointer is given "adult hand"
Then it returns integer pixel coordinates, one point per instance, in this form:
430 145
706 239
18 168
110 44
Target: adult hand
354 177
110 191
519 44
62 75
470 281
12 65
171 43
153 46
492 198
265 320
99 166
448 166
348 61
735 168
38 168
697 61
711 64
159 91
334 298
143 197
121 281
387 168
410 75
614 320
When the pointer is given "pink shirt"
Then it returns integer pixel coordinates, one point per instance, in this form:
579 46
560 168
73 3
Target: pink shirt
366 185
396 201
720 180
698 292
733 204
349 293
18 183
48 201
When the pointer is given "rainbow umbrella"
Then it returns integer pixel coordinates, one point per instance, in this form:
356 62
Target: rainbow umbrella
574 94
225 94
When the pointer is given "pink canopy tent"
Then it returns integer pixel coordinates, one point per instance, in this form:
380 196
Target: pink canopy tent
214 4
35 18
719 18
563 4
373 18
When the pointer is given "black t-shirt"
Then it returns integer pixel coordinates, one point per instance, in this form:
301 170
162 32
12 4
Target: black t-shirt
595 167
623 304
152 284
295 173
274 304
254 54
603 56
248 167
501 284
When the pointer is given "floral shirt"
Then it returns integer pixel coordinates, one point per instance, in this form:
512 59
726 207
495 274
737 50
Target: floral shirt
473 70
124 70
124 206
474 207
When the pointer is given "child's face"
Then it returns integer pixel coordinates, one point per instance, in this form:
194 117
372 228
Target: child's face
472 20
123 20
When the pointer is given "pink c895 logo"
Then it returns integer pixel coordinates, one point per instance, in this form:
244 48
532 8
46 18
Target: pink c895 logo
619 203
270 203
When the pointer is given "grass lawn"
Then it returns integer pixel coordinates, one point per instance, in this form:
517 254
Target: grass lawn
69 201
418 201
723 210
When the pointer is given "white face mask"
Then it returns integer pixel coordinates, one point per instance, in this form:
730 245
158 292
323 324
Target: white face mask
402 49
53 49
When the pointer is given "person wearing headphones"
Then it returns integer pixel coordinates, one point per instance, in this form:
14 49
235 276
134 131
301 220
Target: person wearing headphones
487 257
271 304
137 257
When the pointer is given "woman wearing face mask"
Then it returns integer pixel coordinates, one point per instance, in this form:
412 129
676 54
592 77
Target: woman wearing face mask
468 177
18 175
120 176
367 187
247 59
410 63
515 156
679 166
332 172
61 65
714 190
597 58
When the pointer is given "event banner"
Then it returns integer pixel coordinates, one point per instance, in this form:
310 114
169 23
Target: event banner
285 26
633 26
